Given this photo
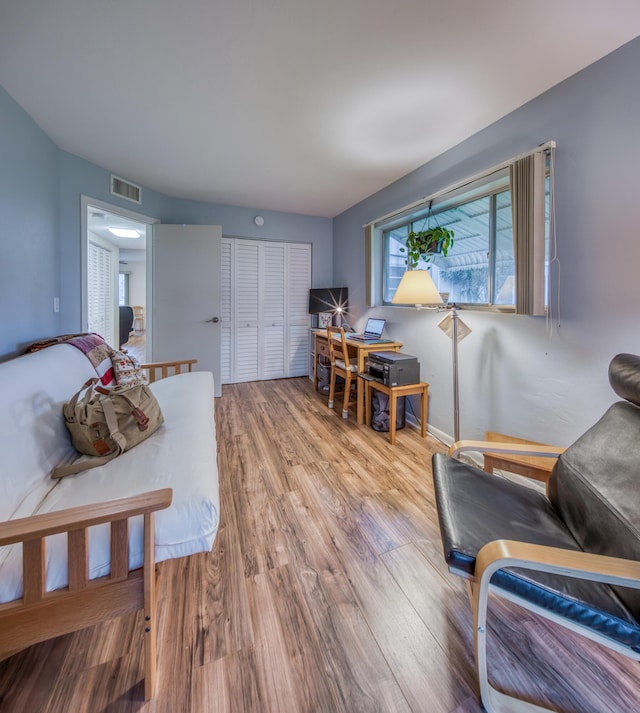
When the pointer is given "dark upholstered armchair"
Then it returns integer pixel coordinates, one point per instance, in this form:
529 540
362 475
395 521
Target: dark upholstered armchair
126 324
572 554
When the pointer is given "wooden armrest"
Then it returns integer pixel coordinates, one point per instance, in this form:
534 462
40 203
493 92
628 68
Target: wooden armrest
499 554
583 565
164 368
38 526
523 449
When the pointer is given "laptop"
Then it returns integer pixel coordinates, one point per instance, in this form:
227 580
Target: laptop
372 331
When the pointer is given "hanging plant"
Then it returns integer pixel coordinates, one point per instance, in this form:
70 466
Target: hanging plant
423 244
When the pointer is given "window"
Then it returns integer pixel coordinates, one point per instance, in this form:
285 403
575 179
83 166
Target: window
479 268
123 288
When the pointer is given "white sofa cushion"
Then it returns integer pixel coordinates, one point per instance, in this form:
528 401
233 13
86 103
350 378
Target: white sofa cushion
33 437
181 455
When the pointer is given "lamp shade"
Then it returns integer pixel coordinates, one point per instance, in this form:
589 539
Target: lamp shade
417 288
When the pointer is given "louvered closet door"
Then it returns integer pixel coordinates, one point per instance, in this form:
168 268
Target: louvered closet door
226 344
265 325
246 307
297 336
272 279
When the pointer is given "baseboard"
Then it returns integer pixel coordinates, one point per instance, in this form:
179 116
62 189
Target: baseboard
444 438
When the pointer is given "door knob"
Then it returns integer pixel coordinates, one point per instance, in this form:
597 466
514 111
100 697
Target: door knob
215 320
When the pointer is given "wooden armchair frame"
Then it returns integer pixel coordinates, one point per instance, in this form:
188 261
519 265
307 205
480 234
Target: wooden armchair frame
40 615
506 553
162 369
499 554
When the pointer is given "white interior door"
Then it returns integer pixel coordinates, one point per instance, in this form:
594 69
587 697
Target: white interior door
186 289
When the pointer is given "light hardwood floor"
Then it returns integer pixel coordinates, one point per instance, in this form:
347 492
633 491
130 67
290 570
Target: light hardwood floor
325 592
136 346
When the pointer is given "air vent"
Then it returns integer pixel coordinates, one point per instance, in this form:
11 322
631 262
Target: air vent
125 189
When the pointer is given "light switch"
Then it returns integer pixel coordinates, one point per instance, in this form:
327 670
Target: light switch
56 304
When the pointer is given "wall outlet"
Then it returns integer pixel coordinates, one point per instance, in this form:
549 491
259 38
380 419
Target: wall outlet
56 304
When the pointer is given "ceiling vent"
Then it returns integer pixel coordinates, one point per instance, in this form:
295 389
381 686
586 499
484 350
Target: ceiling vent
125 189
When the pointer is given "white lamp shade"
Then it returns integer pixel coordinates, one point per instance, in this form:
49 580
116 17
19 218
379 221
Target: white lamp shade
417 288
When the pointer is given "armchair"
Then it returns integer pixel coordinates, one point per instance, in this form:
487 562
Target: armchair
571 554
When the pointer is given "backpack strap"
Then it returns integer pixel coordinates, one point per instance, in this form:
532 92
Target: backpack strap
77 465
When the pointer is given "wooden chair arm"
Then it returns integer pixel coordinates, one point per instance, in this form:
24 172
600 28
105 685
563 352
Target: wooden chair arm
522 449
583 565
167 368
39 526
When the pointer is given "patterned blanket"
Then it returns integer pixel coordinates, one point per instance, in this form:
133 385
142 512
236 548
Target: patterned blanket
93 346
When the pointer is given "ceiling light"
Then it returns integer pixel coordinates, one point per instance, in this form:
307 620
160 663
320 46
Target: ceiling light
124 232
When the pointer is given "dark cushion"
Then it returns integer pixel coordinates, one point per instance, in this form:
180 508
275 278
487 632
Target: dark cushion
624 377
475 508
590 604
595 488
126 324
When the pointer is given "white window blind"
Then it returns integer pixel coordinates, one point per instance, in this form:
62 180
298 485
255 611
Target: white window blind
100 291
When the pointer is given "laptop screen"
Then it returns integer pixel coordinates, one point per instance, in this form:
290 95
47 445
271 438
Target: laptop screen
374 327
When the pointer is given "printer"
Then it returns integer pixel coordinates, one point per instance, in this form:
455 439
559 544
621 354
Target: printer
394 368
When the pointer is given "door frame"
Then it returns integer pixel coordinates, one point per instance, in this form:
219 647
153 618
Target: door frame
86 202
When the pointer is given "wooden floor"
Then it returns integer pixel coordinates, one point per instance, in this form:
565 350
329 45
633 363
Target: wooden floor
136 346
325 592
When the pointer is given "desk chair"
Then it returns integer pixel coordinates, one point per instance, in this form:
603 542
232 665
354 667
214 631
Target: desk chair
340 366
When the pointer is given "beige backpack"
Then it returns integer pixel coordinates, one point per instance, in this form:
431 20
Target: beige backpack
103 423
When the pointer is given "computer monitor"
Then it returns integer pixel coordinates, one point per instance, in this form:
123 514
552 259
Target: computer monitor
328 299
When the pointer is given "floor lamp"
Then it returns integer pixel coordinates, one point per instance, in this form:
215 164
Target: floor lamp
416 287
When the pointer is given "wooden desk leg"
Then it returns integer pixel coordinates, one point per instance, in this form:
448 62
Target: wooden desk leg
367 401
360 400
423 412
393 407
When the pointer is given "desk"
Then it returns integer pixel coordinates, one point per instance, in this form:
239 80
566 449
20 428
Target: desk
359 351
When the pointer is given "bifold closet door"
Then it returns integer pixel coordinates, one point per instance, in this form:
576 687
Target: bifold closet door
297 333
273 278
265 288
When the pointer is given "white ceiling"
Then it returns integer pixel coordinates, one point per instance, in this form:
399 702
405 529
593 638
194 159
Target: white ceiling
131 249
304 106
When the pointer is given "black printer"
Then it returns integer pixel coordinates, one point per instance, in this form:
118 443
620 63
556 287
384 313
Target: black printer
394 368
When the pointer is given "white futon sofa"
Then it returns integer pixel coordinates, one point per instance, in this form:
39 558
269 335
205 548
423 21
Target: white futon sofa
155 502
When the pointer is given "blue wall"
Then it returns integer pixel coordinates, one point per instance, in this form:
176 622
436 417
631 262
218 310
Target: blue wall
523 375
40 229
29 245
78 178
238 222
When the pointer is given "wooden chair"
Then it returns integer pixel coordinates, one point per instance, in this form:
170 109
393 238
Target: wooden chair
340 366
138 319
